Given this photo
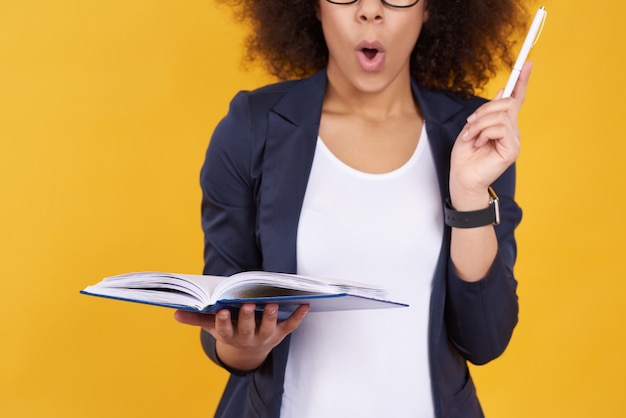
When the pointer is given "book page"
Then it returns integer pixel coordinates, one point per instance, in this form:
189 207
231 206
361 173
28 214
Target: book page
158 287
260 284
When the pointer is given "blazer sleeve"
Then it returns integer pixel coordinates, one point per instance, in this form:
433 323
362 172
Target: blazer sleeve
481 316
228 201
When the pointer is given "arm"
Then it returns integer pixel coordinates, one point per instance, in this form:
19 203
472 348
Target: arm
482 303
482 314
228 219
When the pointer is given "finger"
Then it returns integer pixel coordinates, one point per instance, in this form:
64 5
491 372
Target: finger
223 325
267 326
489 120
494 106
476 131
206 321
499 134
295 319
246 321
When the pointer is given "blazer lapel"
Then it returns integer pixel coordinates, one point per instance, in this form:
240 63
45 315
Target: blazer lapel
438 110
292 130
443 124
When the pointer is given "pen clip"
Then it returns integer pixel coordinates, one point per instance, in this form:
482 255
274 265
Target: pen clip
543 21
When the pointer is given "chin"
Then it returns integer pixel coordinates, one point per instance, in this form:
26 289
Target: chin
371 82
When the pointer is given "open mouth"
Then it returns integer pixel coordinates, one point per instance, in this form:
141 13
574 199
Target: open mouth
369 53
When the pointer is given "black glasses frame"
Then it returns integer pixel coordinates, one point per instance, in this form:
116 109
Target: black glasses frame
384 2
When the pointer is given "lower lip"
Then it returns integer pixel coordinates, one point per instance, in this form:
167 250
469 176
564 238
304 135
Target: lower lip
371 65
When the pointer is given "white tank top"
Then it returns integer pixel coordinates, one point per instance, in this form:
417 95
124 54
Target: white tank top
378 228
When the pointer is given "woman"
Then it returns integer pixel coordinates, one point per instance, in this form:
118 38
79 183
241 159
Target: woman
367 168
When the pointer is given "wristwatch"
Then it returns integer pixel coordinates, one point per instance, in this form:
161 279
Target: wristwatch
474 218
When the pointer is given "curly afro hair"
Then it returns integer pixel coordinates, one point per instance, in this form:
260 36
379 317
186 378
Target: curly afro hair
462 45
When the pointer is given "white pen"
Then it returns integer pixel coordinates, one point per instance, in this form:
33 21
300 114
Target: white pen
529 42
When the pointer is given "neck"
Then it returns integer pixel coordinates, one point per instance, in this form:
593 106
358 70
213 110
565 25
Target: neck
393 100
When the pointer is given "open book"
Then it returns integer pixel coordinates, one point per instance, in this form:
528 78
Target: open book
204 293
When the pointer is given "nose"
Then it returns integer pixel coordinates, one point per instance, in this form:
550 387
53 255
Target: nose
370 11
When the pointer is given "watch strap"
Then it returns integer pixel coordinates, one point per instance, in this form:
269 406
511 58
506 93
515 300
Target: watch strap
475 218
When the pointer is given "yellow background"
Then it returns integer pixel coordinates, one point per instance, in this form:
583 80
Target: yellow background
106 108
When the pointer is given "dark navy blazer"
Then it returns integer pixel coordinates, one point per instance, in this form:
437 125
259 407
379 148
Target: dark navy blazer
253 181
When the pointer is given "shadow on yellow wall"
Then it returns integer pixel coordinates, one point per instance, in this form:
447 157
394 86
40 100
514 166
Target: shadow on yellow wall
106 109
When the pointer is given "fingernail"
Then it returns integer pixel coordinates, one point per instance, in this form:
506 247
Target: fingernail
471 118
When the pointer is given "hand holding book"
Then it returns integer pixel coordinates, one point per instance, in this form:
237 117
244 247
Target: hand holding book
244 344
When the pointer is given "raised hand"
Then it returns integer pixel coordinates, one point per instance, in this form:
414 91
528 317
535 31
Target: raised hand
488 144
